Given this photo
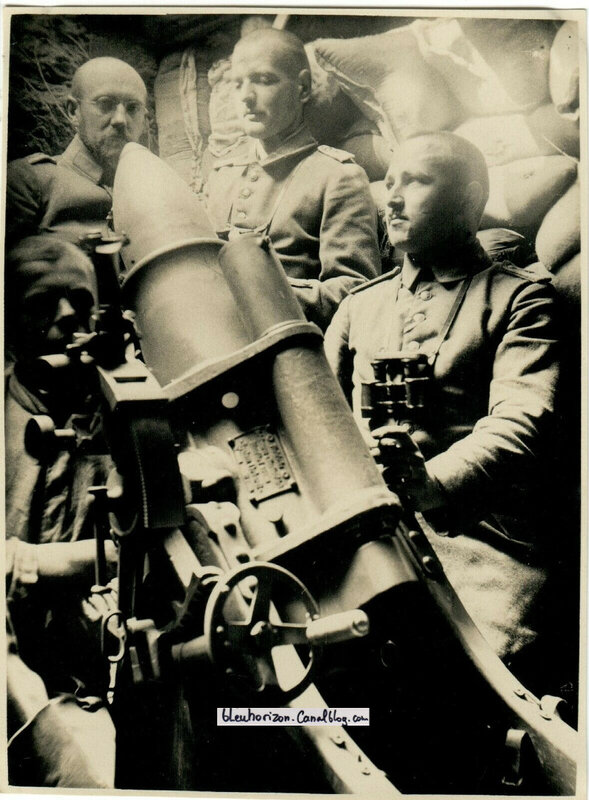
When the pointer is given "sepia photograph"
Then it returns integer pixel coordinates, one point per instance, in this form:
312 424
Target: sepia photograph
295 401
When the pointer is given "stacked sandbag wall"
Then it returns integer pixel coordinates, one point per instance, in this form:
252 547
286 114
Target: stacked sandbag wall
511 86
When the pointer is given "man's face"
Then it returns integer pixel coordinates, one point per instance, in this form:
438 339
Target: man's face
423 200
54 306
110 112
268 97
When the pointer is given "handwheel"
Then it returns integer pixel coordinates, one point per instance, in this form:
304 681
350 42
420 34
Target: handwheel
254 617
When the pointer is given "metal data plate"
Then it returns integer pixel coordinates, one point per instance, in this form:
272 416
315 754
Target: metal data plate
262 463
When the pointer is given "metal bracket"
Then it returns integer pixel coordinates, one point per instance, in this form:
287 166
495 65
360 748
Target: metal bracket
515 741
551 706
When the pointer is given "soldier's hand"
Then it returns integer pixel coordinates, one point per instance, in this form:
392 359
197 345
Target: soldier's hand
101 603
73 560
404 467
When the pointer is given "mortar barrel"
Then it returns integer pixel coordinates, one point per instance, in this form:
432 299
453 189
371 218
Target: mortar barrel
185 312
322 432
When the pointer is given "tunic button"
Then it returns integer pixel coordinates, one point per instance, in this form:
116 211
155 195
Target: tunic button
425 295
245 192
254 176
419 317
413 346
241 214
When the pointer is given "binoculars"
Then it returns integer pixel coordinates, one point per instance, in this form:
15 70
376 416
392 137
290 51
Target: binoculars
400 389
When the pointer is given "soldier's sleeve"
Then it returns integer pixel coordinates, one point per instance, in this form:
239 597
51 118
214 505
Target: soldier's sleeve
348 244
506 448
24 201
337 348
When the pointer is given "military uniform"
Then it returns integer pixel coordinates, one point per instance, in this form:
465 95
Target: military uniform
62 195
316 206
490 434
47 502
51 742
50 502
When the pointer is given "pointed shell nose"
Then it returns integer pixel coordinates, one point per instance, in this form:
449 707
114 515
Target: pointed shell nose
154 206
185 311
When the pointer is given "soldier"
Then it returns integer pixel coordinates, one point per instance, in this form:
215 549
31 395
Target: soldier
313 201
50 295
70 194
481 462
67 740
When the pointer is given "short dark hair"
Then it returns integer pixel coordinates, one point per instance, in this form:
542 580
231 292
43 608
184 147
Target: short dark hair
292 55
468 161
48 252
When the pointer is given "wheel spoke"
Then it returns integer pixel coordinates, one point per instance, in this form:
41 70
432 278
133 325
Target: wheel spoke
260 607
290 633
290 670
264 673
238 635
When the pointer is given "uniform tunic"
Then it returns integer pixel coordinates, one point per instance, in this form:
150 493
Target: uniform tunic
49 502
316 203
490 434
62 195
56 746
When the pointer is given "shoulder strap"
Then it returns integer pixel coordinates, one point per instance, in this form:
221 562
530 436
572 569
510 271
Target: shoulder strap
379 279
339 155
40 158
536 273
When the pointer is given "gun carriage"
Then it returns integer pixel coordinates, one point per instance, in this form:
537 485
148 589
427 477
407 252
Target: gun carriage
263 560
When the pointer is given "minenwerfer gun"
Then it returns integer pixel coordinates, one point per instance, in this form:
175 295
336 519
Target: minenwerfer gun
263 560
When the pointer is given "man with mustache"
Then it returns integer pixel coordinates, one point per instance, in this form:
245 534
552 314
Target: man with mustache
70 194
313 201
481 464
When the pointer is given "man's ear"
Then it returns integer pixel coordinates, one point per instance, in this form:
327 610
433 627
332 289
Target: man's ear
72 109
304 85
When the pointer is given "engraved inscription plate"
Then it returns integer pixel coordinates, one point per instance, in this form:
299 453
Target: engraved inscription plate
262 463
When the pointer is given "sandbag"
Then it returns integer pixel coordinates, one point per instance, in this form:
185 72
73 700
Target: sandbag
254 22
501 244
368 59
181 99
559 236
505 138
522 192
226 126
387 78
485 65
172 137
330 111
370 151
564 70
518 52
560 131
